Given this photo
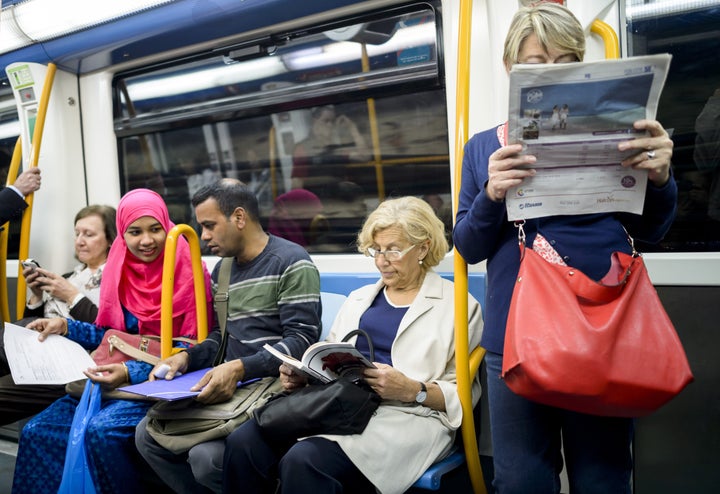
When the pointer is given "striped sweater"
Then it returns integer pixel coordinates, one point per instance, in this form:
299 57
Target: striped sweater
275 299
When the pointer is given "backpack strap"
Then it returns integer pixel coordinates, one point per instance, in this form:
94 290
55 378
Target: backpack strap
221 305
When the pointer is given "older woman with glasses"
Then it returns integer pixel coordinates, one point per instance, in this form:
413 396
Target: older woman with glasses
408 314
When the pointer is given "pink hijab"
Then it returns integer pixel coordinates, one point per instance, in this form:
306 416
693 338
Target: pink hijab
136 285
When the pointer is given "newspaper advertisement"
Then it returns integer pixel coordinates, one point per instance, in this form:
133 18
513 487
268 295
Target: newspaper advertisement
571 117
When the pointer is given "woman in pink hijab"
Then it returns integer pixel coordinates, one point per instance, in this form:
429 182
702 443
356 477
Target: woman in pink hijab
132 280
129 300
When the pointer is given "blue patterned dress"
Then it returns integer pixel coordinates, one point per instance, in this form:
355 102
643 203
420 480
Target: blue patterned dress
115 464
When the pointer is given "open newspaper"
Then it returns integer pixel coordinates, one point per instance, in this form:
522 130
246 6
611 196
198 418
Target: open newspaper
571 117
57 360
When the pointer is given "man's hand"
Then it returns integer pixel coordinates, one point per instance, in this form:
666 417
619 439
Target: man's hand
28 181
178 363
220 383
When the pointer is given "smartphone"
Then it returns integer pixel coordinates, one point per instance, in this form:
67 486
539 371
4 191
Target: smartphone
31 263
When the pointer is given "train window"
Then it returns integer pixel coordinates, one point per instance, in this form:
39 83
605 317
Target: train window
690 106
321 124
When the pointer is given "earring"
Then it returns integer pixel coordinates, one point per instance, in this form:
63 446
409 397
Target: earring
420 261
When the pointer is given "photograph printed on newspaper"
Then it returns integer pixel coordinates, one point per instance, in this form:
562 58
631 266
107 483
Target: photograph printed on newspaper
571 117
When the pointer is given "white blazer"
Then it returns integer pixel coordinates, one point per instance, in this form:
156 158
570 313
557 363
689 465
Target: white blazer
424 350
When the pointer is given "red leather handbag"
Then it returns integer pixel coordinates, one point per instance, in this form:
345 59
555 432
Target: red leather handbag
602 348
119 346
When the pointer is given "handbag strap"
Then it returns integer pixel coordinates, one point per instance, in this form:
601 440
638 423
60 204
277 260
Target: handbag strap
121 345
519 224
221 305
361 332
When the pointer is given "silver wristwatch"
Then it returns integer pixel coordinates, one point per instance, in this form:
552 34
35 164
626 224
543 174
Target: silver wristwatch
422 394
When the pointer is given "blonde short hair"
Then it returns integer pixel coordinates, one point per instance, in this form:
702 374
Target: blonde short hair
415 218
554 25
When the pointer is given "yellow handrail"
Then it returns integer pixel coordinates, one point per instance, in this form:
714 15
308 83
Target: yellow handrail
467 365
11 176
610 38
168 287
36 140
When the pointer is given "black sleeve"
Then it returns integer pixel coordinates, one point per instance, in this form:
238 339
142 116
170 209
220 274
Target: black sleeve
11 205
85 310
36 312
203 354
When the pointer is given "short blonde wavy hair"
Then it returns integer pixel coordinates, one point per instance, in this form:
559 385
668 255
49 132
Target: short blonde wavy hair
418 222
554 25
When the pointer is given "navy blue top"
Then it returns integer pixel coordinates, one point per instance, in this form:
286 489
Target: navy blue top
381 322
483 232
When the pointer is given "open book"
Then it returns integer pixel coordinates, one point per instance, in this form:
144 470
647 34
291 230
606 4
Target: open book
326 361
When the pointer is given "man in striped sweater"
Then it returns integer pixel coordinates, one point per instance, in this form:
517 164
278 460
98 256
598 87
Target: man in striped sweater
274 297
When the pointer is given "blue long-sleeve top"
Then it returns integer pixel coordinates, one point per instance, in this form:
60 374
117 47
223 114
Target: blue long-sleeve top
586 242
89 336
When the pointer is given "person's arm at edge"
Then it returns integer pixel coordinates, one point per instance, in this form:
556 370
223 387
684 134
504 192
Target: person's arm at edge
12 204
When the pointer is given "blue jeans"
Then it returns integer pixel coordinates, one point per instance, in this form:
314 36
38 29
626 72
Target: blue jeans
527 438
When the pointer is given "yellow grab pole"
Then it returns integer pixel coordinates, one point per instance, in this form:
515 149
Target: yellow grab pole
12 175
168 287
465 374
34 157
610 38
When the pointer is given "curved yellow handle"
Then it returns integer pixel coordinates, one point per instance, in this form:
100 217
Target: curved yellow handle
610 38
168 287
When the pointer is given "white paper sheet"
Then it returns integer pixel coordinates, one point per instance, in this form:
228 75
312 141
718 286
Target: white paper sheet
571 117
57 360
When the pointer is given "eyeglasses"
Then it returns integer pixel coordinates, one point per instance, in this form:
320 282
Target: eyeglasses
566 58
390 255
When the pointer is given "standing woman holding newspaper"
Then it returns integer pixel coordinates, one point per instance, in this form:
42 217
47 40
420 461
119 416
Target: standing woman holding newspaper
526 435
129 301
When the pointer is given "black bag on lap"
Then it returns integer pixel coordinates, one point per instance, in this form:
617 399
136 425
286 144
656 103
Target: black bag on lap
339 407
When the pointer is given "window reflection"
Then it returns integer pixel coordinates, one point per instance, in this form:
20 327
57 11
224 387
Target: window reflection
324 152
689 108
341 119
